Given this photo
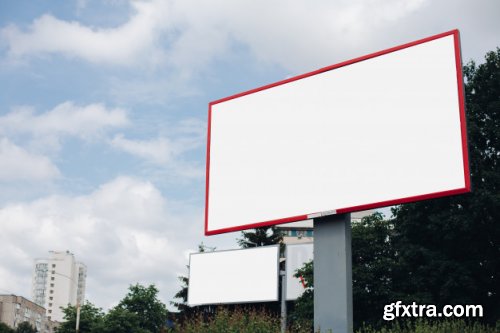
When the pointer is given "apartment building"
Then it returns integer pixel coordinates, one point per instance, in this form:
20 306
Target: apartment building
16 309
58 280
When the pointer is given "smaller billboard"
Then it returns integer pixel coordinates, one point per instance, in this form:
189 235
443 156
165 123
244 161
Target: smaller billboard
234 276
296 256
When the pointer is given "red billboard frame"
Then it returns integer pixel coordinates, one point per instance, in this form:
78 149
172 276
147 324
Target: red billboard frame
459 76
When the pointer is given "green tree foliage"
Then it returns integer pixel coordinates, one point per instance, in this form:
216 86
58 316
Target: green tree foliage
182 295
25 327
119 320
303 312
449 248
260 237
143 302
90 319
5 329
373 260
373 263
139 311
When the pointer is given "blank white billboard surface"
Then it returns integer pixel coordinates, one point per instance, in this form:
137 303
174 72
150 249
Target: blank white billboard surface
236 276
296 256
383 129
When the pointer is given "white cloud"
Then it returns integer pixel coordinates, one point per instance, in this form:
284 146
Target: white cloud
125 232
65 119
122 45
165 153
188 34
186 135
299 36
17 164
46 129
158 151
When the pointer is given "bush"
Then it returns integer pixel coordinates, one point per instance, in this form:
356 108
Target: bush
238 321
423 326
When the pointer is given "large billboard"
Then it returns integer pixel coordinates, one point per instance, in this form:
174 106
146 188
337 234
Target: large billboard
234 276
383 129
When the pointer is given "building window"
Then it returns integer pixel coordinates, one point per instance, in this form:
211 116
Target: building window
50 311
53 265
52 278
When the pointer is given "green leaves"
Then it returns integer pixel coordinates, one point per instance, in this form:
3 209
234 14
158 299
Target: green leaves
25 327
140 311
260 237
143 302
90 318
449 248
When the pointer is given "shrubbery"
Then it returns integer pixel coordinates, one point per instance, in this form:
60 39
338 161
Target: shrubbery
441 326
239 321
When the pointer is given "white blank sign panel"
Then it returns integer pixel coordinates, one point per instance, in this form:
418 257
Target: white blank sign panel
296 256
236 276
384 129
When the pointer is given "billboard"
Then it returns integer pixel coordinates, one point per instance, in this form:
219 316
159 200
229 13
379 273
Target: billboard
383 129
296 256
234 276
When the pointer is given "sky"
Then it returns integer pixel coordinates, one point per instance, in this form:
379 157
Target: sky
103 115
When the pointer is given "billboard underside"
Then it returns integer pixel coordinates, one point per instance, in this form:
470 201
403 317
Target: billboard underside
384 129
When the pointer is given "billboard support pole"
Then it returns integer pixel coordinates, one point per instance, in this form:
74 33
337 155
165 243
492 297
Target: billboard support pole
333 274
283 301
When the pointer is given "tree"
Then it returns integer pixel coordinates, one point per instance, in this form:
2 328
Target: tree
144 303
373 261
260 237
120 320
5 329
303 312
25 327
182 295
90 318
449 248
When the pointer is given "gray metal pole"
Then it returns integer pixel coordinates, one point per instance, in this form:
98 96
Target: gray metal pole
77 328
333 274
283 301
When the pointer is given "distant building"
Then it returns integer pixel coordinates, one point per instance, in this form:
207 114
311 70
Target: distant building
303 231
58 281
17 309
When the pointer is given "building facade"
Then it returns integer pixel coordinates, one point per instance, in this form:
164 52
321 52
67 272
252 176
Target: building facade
17 309
303 231
58 281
